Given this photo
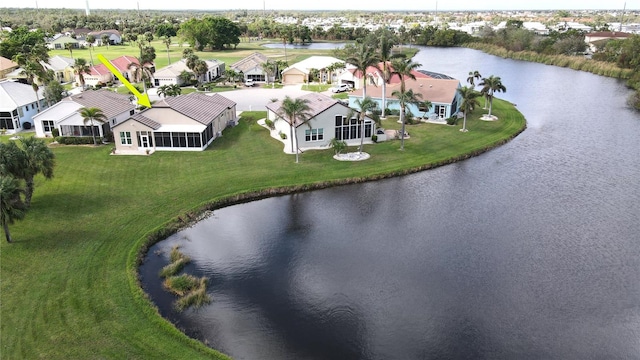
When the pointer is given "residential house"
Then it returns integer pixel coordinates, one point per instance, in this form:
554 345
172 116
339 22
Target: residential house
62 68
6 66
122 63
354 77
298 73
329 119
170 75
598 39
60 42
182 123
97 74
65 115
18 105
442 93
114 37
252 68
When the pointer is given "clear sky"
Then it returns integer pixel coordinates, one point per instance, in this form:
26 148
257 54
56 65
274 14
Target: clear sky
421 5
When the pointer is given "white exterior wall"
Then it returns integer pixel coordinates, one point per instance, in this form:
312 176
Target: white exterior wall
160 81
132 127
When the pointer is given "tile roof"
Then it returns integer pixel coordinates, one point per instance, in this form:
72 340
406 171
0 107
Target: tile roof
139 117
435 90
14 94
6 63
97 34
314 62
98 70
317 103
250 62
395 79
122 63
179 66
58 63
112 104
200 107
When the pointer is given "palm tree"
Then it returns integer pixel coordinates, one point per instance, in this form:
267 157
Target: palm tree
426 105
69 46
491 85
186 77
80 68
473 76
364 106
12 207
34 72
105 40
200 69
270 68
169 90
404 69
296 111
140 73
384 52
363 57
90 115
167 43
405 98
39 159
469 102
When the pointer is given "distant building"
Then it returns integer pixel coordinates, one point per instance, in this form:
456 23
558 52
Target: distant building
6 66
18 105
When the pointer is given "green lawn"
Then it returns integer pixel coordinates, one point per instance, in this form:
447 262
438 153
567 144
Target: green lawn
175 52
68 288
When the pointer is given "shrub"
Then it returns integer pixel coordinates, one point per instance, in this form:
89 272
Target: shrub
181 284
283 136
77 140
55 132
374 138
452 120
269 124
338 145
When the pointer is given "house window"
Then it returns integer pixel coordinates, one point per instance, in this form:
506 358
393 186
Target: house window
162 139
179 139
6 124
314 134
351 129
125 137
47 125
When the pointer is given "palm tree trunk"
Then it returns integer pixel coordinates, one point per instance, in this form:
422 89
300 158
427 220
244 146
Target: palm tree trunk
37 99
362 137
464 122
384 98
490 104
291 139
402 121
29 188
93 134
7 234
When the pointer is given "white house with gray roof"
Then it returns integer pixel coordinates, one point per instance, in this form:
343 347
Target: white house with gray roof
18 105
329 119
170 75
65 115
252 68
183 123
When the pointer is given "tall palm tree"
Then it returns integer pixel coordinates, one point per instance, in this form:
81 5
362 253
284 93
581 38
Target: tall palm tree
69 46
363 57
80 68
140 73
35 72
385 46
404 69
90 115
105 40
469 102
39 159
364 106
167 43
490 86
297 112
405 98
12 207
200 69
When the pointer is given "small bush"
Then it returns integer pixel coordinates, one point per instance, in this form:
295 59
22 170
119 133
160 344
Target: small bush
76 140
283 136
269 124
338 146
55 132
452 120
374 138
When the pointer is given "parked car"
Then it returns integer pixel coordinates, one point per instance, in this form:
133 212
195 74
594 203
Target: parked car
340 88
249 83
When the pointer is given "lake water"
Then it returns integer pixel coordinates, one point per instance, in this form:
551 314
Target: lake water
529 251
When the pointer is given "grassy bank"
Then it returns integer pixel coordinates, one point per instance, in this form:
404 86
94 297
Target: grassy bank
69 282
573 62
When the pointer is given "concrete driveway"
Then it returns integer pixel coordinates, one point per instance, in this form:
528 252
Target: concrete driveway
256 98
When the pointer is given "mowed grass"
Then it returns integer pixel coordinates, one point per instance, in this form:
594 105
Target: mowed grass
175 52
68 288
